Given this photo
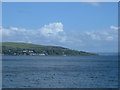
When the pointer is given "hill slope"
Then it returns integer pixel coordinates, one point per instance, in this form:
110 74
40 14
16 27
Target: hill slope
12 48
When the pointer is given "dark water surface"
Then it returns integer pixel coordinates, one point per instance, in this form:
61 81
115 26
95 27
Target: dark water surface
60 72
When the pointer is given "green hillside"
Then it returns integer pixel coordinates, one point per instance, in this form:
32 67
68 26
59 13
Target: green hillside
12 48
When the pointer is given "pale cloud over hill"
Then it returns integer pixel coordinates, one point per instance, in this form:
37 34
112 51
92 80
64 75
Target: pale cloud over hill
54 34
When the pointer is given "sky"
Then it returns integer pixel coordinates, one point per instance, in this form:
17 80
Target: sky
89 26
60 0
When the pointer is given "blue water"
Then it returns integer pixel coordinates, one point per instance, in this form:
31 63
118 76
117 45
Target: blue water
60 72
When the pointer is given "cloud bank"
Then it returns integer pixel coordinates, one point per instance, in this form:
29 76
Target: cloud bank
54 34
52 29
114 27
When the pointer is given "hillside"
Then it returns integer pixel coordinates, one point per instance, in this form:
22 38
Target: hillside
12 48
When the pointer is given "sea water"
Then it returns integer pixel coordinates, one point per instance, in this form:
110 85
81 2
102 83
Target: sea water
60 72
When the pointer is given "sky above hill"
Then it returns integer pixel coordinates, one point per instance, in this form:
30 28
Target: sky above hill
91 27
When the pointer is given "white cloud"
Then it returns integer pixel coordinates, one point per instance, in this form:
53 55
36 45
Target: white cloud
54 34
14 28
114 27
63 39
52 29
102 35
93 36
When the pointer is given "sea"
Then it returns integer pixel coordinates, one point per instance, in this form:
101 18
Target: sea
60 71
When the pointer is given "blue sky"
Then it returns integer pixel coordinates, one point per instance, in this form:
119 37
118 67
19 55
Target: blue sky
82 26
74 16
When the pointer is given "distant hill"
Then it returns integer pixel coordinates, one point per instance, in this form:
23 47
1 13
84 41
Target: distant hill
13 48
